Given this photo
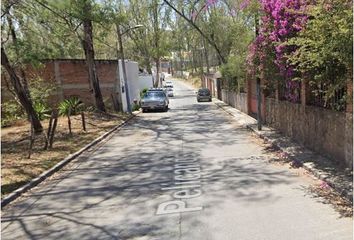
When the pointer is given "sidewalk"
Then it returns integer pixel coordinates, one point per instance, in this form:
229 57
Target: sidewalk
339 179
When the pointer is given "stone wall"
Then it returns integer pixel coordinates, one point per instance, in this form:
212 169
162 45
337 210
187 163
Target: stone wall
236 100
324 131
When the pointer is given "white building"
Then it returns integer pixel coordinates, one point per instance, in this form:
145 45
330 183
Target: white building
136 82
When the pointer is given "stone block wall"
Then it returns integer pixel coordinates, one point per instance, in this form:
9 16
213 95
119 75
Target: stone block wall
324 131
236 100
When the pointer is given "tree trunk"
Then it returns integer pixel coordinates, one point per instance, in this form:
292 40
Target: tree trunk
157 80
83 121
22 72
90 61
21 93
148 66
51 139
206 55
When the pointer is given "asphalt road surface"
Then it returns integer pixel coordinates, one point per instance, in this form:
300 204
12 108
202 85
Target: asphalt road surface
189 173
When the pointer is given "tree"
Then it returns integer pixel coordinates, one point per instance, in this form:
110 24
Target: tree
191 21
325 46
90 55
19 56
73 14
21 92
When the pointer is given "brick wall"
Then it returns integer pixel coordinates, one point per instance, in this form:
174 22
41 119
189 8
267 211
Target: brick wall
71 79
322 130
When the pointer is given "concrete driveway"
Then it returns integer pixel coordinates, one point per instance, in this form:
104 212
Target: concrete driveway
191 173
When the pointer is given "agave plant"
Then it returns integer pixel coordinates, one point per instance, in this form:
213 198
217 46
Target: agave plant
41 110
71 106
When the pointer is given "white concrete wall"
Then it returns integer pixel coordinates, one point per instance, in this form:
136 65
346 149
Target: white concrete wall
145 81
136 83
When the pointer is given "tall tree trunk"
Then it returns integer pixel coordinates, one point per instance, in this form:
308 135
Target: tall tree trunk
21 93
157 80
22 72
90 61
206 55
148 65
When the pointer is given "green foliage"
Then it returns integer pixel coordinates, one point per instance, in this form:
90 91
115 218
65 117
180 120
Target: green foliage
135 107
325 47
10 112
40 90
71 106
42 110
142 92
234 71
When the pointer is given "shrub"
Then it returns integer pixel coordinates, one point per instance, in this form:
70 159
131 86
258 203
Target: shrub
42 110
135 107
142 92
71 106
10 112
40 90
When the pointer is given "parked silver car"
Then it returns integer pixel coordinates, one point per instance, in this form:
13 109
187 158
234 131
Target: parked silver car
169 91
154 100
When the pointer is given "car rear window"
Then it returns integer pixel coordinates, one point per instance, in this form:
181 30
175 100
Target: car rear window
155 94
204 91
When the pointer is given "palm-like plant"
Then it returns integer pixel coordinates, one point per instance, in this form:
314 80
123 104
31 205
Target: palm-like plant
41 110
71 106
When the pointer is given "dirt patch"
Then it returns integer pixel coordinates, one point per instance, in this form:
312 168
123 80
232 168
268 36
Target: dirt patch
325 194
18 170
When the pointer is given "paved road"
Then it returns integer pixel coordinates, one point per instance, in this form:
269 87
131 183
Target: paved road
191 173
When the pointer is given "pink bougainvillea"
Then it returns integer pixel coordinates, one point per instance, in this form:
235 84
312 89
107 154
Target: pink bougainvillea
211 2
281 20
245 4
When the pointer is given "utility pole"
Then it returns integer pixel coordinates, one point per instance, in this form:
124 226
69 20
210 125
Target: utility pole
121 51
259 97
117 85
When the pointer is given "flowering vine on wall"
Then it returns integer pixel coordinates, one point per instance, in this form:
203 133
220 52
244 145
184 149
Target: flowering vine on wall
280 20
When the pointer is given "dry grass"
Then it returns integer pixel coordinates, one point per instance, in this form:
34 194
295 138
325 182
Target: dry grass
194 81
17 169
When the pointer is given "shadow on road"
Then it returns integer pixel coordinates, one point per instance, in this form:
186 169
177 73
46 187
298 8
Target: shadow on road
112 194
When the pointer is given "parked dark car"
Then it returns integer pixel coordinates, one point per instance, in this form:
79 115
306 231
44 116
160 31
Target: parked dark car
203 94
154 100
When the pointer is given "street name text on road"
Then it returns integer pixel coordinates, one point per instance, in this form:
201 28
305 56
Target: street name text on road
186 185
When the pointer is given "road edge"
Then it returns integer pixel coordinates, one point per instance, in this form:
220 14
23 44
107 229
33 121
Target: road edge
34 182
316 173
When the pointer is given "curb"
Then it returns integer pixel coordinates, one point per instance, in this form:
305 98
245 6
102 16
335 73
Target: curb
34 182
307 166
